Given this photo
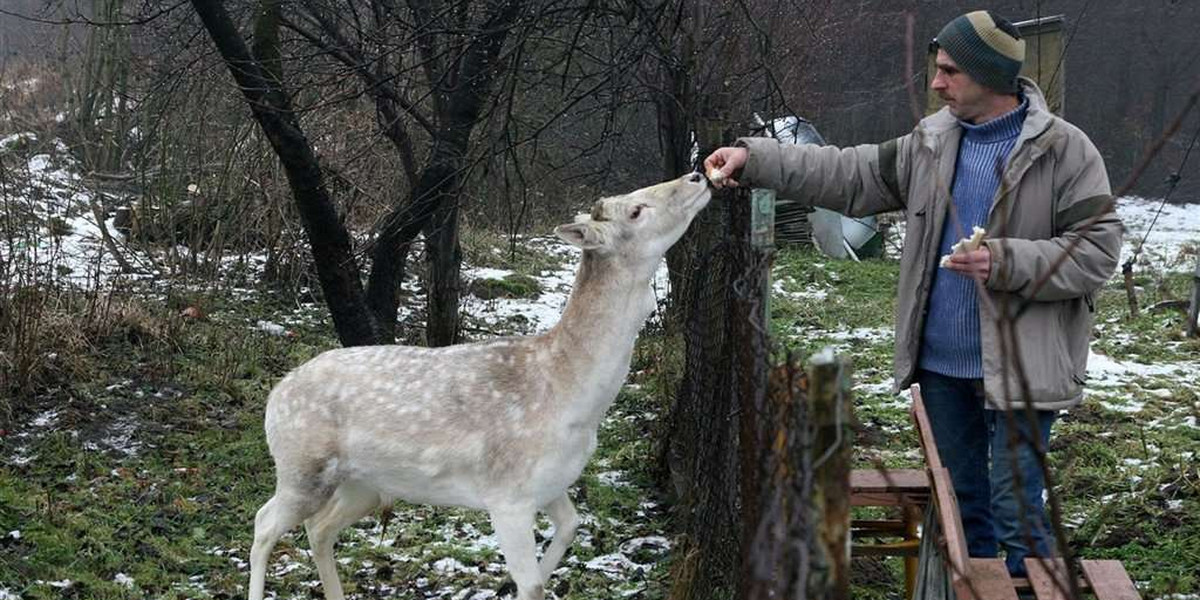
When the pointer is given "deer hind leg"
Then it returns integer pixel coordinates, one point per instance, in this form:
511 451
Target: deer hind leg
285 510
566 522
514 527
350 502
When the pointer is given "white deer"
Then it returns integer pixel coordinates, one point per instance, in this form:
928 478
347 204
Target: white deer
504 425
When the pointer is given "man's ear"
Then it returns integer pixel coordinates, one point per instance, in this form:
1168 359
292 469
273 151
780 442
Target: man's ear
587 235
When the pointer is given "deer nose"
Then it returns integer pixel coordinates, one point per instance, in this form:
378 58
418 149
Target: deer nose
695 178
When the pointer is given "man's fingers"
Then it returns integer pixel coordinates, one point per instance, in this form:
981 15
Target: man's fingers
966 258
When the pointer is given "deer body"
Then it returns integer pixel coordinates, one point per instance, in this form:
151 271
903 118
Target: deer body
504 425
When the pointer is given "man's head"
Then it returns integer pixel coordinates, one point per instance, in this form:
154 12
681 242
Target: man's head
979 58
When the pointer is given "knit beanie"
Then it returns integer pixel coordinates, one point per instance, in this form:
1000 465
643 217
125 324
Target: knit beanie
987 47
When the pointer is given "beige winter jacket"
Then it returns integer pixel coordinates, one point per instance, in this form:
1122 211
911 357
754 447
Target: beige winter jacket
1054 192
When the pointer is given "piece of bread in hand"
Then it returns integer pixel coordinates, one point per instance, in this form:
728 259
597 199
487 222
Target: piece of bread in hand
965 245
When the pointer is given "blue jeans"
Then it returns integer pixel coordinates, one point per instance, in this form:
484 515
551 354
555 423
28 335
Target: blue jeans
974 445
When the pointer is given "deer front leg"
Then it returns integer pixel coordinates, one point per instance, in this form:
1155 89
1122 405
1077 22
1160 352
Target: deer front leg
514 527
566 522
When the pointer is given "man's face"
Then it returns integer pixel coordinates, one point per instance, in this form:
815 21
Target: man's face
967 99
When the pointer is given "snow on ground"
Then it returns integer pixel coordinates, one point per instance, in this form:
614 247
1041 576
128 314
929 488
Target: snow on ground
75 254
540 313
1173 242
1107 372
785 287
543 312
68 246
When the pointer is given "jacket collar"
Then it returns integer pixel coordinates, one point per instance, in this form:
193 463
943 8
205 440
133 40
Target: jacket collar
1037 119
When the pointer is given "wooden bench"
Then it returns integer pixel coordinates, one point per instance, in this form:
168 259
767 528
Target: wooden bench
988 578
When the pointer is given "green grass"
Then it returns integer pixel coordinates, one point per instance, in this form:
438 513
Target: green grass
177 516
514 285
483 248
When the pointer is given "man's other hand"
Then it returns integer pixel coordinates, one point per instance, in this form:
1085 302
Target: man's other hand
976 264
724 164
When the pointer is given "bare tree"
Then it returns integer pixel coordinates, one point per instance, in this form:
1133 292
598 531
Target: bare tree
260 81
434 72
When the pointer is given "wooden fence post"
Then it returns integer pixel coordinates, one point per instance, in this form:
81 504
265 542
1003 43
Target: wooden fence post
752 228
830 412
1130 292
1193 329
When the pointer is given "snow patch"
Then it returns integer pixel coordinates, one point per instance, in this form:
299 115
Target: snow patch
449 565
1104 371
1177 229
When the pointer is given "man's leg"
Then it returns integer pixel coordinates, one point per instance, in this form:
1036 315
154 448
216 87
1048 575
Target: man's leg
957 417
1020 520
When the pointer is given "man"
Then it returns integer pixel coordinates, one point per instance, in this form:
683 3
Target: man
996 158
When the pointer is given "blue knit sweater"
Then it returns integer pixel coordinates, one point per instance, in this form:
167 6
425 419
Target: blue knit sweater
950 343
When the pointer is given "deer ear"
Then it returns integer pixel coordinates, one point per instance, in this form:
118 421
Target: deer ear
586 235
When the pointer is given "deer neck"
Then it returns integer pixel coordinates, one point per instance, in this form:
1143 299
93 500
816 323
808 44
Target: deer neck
592 344
608 303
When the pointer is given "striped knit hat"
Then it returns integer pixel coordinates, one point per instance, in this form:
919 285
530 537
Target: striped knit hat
987 47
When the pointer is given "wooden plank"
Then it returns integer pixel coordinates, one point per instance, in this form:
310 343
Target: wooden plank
933 457
1048 578
904 548
1109 580
888 499
888 480
878 527
988 580
950 520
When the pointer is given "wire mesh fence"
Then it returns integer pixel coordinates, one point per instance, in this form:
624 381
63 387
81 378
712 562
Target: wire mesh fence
702 435
740 444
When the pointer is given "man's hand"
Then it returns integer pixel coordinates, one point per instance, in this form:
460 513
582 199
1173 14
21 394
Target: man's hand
724 164
976 264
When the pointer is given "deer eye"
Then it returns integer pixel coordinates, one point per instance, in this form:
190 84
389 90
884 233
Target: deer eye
637 211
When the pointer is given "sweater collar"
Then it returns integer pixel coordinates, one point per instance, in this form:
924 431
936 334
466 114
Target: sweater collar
1003 128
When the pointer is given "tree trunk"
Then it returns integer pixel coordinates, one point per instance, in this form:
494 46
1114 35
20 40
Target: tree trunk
441 180
337 269
674 130
445 260
396 238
